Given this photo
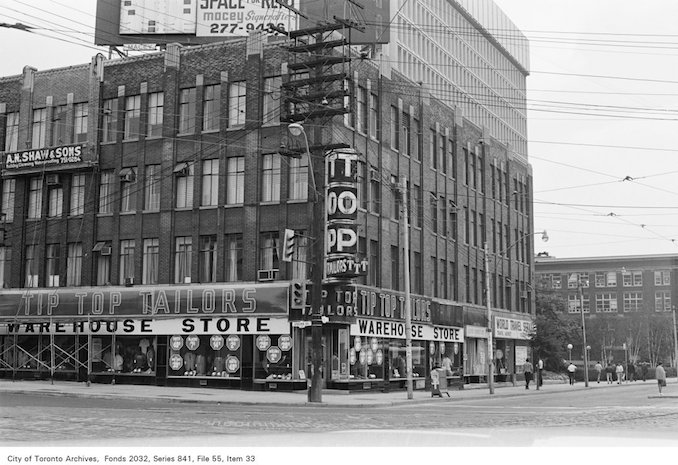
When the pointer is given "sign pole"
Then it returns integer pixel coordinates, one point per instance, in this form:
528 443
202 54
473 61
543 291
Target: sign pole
408 303
488 302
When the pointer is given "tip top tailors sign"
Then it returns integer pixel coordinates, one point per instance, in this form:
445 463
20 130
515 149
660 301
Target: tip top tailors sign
342 216
65 154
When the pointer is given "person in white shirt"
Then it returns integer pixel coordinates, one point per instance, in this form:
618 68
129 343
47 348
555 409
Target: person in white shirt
571 368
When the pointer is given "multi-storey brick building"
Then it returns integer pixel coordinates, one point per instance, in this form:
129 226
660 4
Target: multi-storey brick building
144 201
628 302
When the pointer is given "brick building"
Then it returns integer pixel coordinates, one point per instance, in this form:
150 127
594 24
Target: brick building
145 199
628 303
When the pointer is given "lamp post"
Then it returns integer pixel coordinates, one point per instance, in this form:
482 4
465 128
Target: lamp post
317 233
569 350
488 305
580 285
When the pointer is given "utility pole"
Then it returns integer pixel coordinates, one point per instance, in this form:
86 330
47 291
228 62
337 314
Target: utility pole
488 302
408 302
583 329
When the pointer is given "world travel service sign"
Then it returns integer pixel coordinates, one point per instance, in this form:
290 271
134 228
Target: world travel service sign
197 299
38 158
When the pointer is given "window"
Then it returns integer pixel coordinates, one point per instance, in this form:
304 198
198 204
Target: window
187 111
12 132
60 128
128 198
236 104
106 189
31 267
210 183
407 135
126 260
606 302
442 153
417 274
208 259
662 301
152 188
633 301
77 203
149 268
272 101
632 278
416 154
611 279
235 181
299 178
8 197
301 257
182 259
443 216
662 278
600 279
39 128
395 199
395 128
5 260
575 279
433 149
233 268
434 213
132 117
156 102
395 268
375 192
574 303
52 264
556 281
374 115
80 122
270 178
416 217
361 111
110 120
211 109
103 263
374 269
268 251
74 264
55 206
184 186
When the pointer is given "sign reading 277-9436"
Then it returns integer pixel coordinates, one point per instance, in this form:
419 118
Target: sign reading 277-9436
230 18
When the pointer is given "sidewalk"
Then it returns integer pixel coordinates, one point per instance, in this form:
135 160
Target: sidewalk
299 398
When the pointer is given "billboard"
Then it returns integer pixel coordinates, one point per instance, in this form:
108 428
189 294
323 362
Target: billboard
192 22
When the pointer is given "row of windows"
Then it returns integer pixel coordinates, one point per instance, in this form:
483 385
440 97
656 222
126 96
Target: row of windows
188 266
606 279
607 302
64 128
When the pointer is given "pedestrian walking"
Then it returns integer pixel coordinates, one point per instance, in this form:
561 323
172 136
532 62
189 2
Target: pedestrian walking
571 368
609 372
527 370
619 370
540 372
599 370
660 373
630 372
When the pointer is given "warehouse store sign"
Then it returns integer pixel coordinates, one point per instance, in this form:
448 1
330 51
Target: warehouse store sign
147 300
397 330
134 326
45 157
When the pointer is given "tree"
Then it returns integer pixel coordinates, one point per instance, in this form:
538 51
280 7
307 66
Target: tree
552 332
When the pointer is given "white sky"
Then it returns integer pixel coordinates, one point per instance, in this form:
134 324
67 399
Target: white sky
587 132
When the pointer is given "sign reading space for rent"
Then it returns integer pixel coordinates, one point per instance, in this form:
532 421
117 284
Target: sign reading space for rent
230 18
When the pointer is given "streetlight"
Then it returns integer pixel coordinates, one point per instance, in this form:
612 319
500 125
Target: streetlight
569 350
317 233
488 302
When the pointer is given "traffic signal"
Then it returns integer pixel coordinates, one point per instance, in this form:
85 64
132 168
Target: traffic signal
298 300
288 245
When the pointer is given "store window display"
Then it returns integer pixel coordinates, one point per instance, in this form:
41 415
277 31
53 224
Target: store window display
131 355
273 357
398 359
366 357
448 356
205 356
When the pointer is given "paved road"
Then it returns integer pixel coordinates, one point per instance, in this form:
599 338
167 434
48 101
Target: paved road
30 419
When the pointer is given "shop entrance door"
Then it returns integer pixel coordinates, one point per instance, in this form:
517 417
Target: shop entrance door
309 358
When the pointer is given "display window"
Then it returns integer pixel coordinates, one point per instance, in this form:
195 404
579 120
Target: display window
273 357
366 357
205 355
447 355
27 352
476 356
503 357
398 358
133 355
